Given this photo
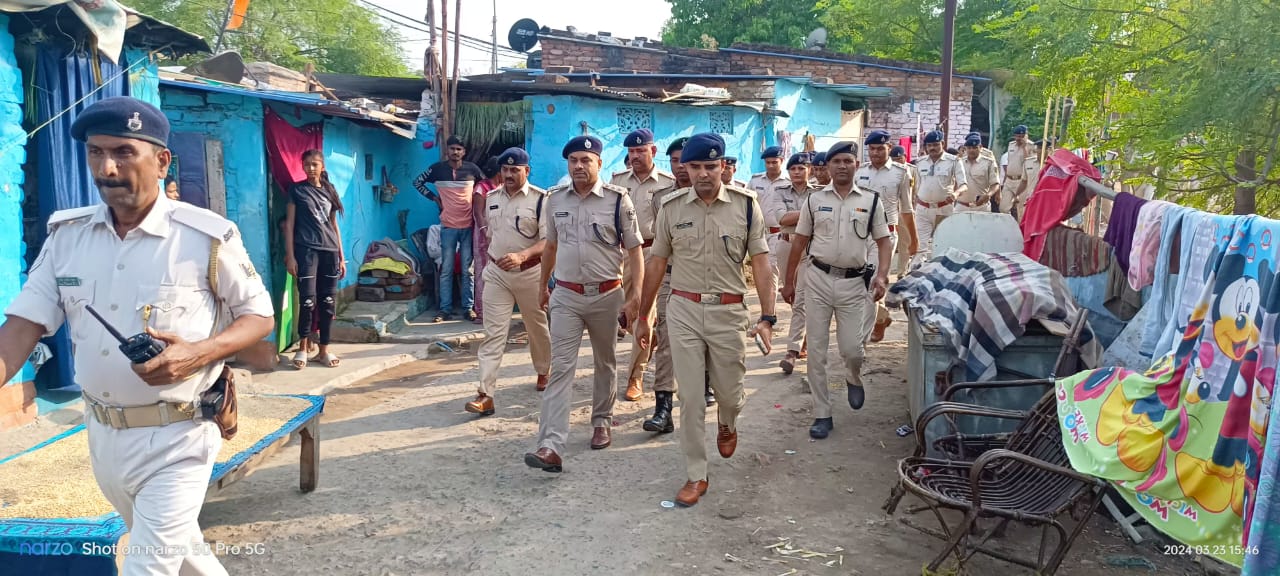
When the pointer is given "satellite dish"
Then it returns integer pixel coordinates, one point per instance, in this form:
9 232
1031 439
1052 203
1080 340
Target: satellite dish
523 35
817 40
534 61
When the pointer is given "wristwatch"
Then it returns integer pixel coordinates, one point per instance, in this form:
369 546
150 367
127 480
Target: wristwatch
772 320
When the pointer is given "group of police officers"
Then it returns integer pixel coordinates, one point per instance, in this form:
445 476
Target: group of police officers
664 255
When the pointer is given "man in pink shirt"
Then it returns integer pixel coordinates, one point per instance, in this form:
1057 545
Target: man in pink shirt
455 180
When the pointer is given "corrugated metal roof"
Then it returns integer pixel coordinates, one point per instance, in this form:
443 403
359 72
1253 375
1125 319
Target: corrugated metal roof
848 90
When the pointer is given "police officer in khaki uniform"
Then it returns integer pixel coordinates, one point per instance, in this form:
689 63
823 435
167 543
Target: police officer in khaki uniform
1015 179
892 181
646 183
820 173
517 226
907 238
143 261
841 220
706 233
730 169
982 174
592 229
782 211
942 179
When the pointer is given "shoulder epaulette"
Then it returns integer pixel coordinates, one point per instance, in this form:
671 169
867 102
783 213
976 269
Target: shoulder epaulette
663 174
535 190
676 194
558 188
621 174
69 215
204 221
615 188
742 191
759 175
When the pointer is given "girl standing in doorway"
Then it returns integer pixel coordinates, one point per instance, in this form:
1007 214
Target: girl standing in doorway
313 253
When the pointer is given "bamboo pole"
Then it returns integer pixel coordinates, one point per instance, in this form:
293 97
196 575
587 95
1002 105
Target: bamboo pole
445 125
1048 111
457 58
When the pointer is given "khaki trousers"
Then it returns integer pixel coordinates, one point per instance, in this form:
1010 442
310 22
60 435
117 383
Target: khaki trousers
706 339
503 290
902 250
659 353
844 299
927 220
570 314
877 312
795 330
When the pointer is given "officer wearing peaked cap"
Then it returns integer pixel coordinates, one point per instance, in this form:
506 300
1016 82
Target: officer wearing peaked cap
892 181
782 211
942 180
143 262
517 230
708 318
763 184
820 175
591 230
646 184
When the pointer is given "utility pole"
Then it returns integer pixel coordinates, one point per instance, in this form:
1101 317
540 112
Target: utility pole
457 58
493 68
948 46
222 31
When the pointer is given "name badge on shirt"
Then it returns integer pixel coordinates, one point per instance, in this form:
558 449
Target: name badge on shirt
825 209
562 214
68 281
493 206
683 225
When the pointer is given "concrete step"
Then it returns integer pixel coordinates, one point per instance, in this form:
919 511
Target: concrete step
365 322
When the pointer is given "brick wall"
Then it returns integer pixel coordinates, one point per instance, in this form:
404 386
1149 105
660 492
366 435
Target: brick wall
587 57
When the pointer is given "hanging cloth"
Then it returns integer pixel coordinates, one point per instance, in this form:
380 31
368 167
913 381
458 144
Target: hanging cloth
1122 226
1057 197
285 145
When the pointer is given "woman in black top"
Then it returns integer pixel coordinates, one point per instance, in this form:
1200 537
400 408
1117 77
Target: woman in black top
313 253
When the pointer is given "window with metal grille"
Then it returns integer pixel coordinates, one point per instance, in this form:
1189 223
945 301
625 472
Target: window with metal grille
634 118
722 121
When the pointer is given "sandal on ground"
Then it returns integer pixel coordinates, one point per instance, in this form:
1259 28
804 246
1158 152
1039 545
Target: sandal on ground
328 359
300 359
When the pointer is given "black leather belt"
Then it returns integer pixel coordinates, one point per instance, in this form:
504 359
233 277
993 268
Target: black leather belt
840 272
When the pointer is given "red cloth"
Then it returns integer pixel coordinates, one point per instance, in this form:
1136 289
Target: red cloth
285 145
1057 197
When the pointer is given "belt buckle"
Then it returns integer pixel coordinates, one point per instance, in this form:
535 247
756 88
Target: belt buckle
119 411
710 298
592 289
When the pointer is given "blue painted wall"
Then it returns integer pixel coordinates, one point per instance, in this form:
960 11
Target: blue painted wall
555 119
13 154
810 110
237 122
144 81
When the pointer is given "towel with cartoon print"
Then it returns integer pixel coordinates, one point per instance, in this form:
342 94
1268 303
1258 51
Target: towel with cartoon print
1182 441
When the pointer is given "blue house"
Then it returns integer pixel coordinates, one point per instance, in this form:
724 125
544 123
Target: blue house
52 65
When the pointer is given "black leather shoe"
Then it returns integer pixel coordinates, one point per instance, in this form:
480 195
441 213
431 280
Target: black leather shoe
710 395
821 428
856 395
661 421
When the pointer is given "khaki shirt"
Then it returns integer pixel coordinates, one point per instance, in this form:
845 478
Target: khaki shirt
893 182
761 184
160 269
983 176
706 245
941 179
838 226
514 220
1018 156
644 195
784 199
589 247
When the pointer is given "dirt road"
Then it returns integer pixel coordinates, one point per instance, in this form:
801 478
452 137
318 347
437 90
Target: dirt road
411 484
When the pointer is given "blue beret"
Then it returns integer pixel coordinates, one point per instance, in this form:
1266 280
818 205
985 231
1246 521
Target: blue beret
877 137
124 117
514 156
897 151
731 160
799 158
845 147
934 136
819 158
583 144
639 138
973 140
703 147
1020 129
677 145
771 152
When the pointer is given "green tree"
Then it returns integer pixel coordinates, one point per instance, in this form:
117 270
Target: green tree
708 23
338 36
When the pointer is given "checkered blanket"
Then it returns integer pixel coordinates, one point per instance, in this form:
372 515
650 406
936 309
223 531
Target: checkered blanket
981 303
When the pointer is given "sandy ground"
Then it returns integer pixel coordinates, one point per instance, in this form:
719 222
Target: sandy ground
411 484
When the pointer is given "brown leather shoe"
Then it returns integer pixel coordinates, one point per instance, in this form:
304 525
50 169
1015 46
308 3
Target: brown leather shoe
726 441
633 390
691 492
542 382
601 439
482 405
878 334
788 363
544 459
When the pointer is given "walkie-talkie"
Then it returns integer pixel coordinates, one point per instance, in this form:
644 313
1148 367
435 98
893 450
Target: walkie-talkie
138 348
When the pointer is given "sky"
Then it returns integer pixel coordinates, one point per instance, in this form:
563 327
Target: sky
622 19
